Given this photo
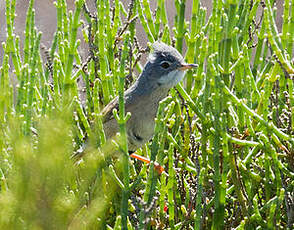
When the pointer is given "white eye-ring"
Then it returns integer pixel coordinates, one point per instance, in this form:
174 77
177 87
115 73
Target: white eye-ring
165 64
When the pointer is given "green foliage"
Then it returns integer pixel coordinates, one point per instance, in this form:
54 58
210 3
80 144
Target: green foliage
224 136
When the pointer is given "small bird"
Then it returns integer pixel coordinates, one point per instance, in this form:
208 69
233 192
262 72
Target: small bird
164 69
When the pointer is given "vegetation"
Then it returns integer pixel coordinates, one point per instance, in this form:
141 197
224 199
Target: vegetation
224 136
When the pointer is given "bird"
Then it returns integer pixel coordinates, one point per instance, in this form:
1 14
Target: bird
164 69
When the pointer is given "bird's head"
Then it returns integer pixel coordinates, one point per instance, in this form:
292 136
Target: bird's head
166 66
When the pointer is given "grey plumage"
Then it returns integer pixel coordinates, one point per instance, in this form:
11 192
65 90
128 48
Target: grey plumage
164 69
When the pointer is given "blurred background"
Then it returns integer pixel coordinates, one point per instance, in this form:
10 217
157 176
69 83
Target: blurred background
46 18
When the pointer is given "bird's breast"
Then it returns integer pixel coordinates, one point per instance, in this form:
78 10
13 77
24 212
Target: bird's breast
140 126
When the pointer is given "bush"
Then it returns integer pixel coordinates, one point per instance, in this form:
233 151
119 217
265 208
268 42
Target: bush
224 136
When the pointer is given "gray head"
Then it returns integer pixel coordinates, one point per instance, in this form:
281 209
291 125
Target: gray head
165 67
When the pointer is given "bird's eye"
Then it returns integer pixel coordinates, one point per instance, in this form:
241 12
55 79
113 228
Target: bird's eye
165 64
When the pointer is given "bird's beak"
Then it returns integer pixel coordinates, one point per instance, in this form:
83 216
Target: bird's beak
187 66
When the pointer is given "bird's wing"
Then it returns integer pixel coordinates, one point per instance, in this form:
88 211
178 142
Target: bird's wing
106 113
129 96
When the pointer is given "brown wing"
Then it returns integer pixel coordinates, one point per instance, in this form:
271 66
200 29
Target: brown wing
106 113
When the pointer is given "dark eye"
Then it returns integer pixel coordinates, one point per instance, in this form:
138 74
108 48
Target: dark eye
164 64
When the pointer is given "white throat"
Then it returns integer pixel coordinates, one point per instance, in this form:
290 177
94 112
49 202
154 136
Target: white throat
172 78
